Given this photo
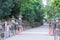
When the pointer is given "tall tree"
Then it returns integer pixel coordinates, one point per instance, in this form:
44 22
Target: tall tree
53 9
9 7
32 10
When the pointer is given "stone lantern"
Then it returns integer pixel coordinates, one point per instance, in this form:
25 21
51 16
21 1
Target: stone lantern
20 24
20 17
13 19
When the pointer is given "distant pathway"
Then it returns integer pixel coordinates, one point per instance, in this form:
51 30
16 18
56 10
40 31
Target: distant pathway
39 33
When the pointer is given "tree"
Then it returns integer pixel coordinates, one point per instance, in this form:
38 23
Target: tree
53 9
9 7
32 10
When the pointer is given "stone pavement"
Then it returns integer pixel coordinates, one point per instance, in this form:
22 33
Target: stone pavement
39 33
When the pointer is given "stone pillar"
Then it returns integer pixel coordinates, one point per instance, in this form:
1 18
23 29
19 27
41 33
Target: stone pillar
5 32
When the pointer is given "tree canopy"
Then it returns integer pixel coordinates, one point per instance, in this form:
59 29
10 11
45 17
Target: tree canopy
9 7
32 10
53 9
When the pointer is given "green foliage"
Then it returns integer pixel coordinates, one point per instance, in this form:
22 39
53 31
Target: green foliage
32 10
8 7
53 9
